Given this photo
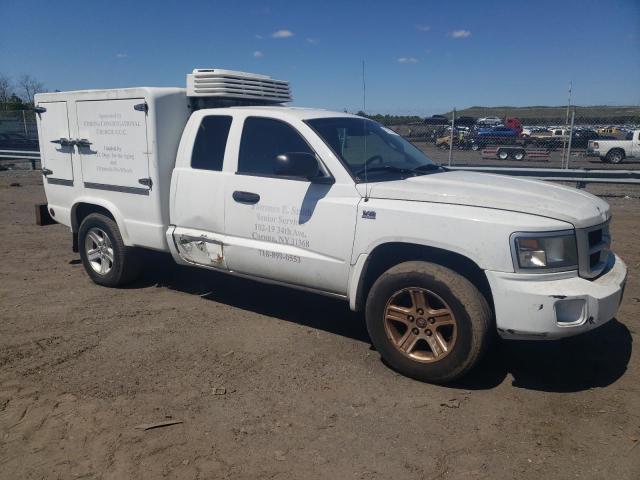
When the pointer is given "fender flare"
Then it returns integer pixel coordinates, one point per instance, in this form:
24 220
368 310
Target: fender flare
107 205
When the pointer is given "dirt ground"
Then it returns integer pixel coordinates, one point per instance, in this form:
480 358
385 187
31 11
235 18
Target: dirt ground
279 384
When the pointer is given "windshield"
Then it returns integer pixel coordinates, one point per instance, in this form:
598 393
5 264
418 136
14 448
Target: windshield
364 145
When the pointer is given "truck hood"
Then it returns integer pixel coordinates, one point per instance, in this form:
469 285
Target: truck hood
499 192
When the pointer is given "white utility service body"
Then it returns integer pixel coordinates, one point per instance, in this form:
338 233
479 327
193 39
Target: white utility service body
320 235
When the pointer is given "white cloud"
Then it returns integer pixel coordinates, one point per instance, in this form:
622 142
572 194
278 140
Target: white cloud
407 60
258 54
460 34
121 55
423 28
284 33
258 36
313 41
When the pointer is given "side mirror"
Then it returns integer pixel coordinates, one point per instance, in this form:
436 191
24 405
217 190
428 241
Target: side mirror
297 164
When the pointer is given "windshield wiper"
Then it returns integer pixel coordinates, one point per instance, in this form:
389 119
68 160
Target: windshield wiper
385 168
430 167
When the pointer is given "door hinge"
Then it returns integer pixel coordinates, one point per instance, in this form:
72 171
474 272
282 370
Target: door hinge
39 109
141 107
46 171
146 182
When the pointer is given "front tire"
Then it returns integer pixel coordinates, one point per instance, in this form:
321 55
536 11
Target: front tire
427 321
105 257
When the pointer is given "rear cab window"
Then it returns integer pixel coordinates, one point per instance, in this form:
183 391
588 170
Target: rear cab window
211 143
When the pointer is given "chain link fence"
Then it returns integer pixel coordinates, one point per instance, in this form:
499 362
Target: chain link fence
18 130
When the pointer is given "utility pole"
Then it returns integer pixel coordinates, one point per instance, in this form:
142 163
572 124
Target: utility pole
566 124
573 117
453 124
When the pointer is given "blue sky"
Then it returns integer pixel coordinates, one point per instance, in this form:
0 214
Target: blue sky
421 57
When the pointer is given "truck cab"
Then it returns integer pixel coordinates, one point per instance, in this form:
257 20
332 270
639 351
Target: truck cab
327 202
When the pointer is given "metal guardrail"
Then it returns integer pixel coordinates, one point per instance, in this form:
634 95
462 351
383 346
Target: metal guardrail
19 154
12 156
579 175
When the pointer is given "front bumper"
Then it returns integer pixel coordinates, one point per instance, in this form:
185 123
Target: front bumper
555 305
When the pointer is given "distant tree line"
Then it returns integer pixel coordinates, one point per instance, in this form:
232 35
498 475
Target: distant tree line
18 94
391 119
526 119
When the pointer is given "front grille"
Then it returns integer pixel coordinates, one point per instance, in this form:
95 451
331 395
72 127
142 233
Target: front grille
593 249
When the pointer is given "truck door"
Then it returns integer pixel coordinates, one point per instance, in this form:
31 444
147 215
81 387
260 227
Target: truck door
112 144
56 147
197 209
286 229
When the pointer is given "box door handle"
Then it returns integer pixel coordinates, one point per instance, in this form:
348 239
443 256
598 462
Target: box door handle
246 197
64 142
82 142
46 171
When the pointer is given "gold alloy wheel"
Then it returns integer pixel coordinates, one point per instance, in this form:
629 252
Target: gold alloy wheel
420 324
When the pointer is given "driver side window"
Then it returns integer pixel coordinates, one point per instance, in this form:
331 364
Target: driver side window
263 139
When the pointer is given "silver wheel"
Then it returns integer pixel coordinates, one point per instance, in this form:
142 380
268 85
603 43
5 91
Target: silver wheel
99 250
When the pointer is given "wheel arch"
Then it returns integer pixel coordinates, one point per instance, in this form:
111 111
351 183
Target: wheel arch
84 207
387 255
619 149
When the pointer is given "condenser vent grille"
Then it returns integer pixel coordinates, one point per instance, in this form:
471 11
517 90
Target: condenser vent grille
237 85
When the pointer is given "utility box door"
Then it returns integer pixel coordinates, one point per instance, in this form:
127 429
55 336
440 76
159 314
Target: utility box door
112 144
56 148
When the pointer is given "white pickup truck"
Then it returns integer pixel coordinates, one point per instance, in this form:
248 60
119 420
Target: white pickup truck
616 151
329 202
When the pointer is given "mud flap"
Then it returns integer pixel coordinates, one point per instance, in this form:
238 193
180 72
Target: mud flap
43 217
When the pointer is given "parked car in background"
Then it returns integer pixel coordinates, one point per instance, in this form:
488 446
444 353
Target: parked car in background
489 121
616 151
493 136
436 120
582 137
612 131
528 131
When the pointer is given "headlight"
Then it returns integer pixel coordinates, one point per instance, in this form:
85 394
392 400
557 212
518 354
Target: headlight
551 251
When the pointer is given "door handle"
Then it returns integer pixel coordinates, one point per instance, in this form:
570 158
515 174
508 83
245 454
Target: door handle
82 142
46 171
246 197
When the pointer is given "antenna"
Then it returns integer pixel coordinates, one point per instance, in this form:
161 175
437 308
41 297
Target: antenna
364 130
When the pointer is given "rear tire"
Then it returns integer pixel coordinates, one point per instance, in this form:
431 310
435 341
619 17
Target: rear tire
105 257
615 156
503 154
518 155
436 339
